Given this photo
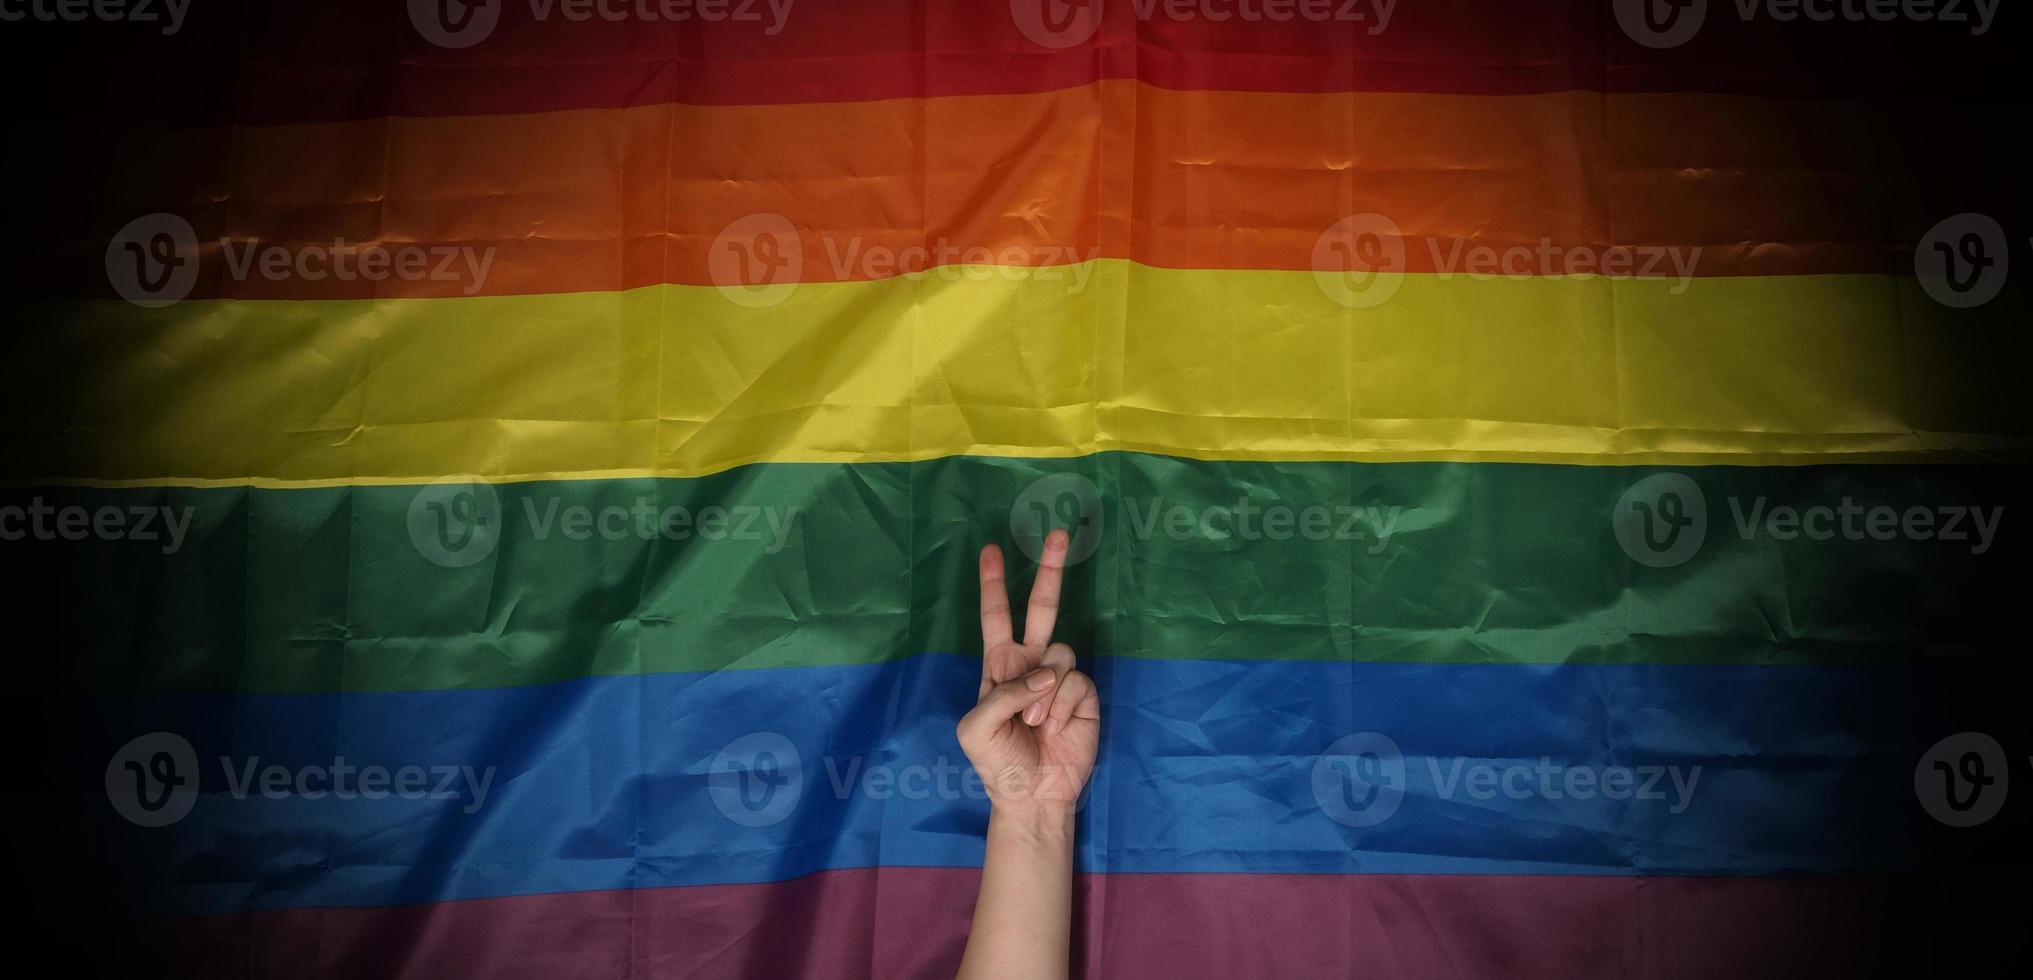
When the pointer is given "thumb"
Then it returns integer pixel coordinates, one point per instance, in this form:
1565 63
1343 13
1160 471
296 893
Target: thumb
1004 701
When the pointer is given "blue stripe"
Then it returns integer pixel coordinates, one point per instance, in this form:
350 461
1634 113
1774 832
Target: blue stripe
1206 767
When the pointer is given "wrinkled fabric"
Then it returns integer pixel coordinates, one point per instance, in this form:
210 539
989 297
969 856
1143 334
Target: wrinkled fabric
598 602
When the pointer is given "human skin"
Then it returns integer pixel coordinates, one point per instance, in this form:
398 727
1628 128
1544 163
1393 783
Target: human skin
1031 736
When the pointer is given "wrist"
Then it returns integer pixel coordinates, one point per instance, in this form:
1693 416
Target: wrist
1041 823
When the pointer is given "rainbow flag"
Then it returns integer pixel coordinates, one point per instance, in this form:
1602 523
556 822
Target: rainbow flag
502 480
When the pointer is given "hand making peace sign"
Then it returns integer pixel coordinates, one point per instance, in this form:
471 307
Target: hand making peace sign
1033 732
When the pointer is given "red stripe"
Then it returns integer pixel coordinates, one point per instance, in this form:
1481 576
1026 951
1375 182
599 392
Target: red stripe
903 922
266 63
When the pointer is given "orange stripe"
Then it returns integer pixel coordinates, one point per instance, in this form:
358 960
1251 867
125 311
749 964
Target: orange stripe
609 199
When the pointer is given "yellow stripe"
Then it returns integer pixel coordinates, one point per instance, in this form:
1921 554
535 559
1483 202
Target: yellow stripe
679 381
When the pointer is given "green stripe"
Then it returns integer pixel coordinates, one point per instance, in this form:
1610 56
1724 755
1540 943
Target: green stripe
325 589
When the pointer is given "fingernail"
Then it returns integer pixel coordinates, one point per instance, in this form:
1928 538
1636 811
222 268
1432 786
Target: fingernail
1057 538
1052 727
1032 714
1041 678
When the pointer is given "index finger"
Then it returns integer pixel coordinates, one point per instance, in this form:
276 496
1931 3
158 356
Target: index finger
1043 612
995 629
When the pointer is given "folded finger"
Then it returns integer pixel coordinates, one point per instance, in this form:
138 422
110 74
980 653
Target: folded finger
1058 659
1075 698
1003 701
